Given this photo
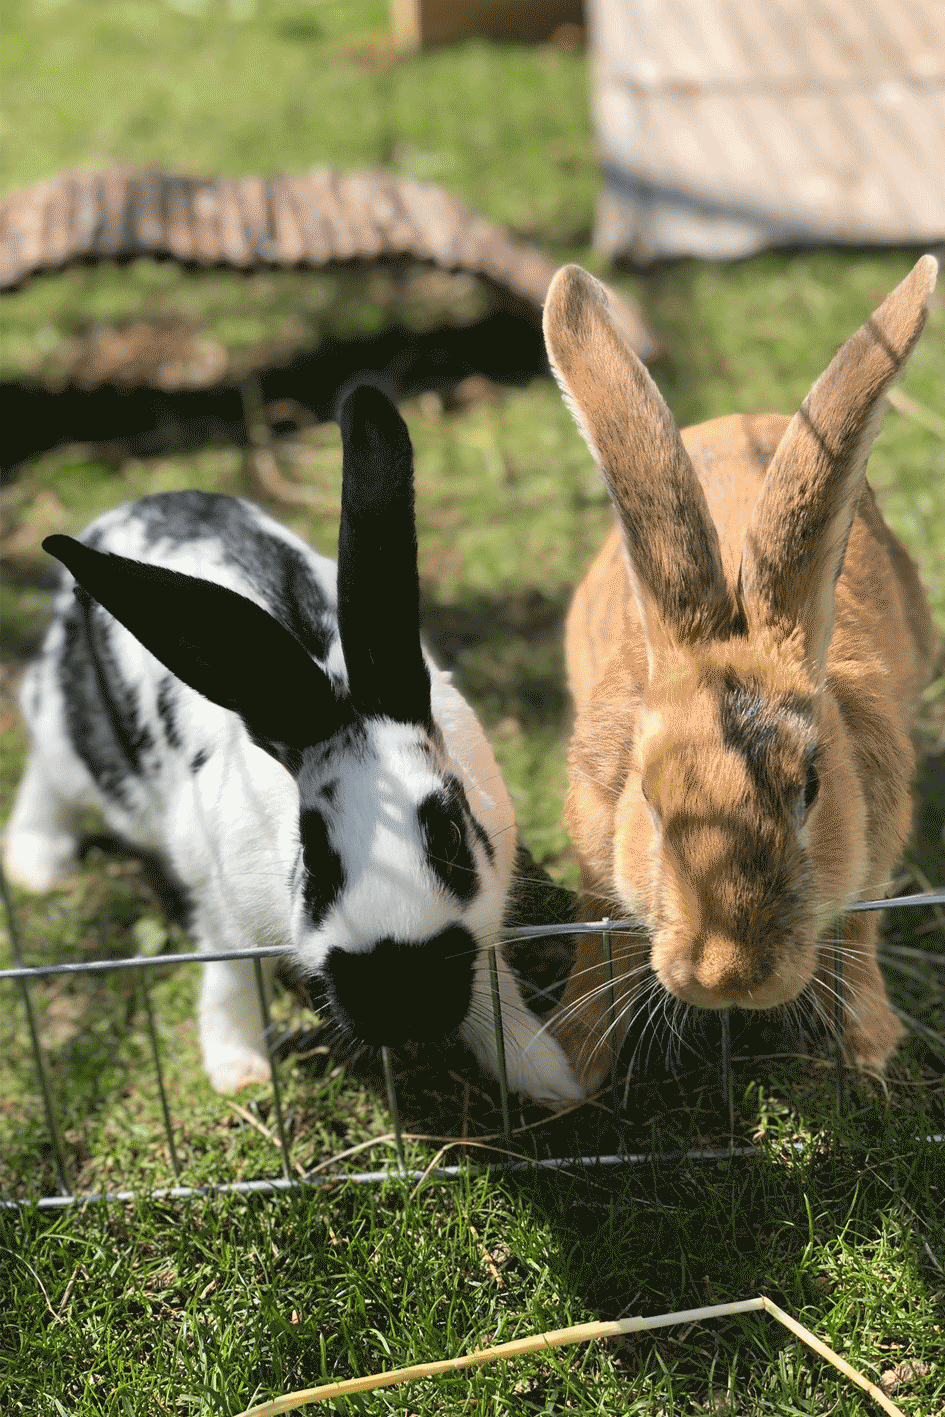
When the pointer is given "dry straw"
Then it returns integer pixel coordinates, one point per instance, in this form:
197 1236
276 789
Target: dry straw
559 1338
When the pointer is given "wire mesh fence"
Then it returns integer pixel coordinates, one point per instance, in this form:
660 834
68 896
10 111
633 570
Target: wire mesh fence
24 977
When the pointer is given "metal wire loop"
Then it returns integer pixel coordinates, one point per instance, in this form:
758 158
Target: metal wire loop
24 976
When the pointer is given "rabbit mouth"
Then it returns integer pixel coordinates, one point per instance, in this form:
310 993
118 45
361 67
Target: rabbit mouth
723 979
766 997
404 992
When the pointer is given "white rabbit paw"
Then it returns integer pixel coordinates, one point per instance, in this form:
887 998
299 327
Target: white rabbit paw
36 861
538 1066
230 1069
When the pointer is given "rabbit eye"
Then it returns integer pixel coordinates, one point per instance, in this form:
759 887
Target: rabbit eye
811 787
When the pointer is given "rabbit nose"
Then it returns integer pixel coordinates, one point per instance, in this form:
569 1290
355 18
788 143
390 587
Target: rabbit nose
726 970
404 991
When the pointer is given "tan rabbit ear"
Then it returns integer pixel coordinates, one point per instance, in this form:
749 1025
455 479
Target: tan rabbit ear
797 536
671 542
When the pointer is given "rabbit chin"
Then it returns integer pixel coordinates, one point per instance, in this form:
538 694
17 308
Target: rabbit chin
720 975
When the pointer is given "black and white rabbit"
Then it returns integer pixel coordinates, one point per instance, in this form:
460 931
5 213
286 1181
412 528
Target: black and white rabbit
272 729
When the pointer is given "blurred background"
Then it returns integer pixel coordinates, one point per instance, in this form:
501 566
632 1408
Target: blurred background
642 140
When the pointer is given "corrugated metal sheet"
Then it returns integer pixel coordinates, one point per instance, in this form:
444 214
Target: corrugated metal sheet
728 125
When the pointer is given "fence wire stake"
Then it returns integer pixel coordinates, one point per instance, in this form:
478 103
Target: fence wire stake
276 1091
24 975
612 1015
393 1108
728 1091
159 1071
52 1128
499 1043
838 1021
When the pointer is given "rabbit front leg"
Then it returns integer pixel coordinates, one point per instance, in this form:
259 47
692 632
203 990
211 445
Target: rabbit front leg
40 844
535 1062
872 1031
232 1035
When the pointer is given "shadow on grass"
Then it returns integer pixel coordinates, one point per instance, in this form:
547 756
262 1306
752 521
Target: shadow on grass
504 347
507 653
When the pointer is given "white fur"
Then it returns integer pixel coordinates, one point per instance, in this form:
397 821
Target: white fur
229 833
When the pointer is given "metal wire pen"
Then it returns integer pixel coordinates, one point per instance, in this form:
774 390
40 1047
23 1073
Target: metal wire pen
24 976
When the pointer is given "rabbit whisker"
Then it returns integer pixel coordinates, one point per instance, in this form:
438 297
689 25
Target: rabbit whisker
908 952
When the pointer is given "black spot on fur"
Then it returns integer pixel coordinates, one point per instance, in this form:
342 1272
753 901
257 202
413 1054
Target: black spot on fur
811 786
753 724
102 709
325 877
167 710
755 893
198 760
404 992
800 705
482 836
351 738
443 826
457 793
276 570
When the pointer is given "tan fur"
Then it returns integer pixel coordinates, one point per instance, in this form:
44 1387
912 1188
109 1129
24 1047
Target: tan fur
711 612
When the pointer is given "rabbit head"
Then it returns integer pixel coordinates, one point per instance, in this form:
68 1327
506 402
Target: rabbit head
404 831
720 770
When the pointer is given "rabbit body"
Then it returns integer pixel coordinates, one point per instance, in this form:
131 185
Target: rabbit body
745 655
375 843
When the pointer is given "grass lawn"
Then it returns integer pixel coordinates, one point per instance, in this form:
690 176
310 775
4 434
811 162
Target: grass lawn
206 1305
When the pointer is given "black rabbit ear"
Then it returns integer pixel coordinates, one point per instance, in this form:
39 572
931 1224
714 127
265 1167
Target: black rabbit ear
378 586
218 642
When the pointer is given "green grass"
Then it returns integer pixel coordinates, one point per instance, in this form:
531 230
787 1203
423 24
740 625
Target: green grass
203 1306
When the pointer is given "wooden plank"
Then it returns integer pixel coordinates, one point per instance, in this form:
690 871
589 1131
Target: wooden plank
288 243
255 213
178 234
59 209
342 231
234 243
31 222
205 222
18 210
114 237
356 193
308 193
320 219
725 127
420 23
147 214
87 215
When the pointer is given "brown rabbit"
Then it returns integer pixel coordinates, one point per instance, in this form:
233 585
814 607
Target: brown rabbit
745 656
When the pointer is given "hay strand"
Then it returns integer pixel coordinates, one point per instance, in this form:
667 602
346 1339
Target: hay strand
560 1337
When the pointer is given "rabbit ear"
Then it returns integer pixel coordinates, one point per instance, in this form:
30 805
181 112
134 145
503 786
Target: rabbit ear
797 536
378 586
217 641
671 542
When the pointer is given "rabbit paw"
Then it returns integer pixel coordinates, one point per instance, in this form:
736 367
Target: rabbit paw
539 1067
871 1051
230 1069
36 861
